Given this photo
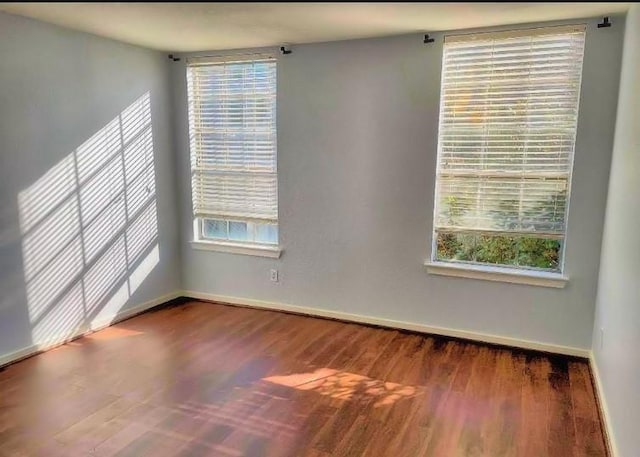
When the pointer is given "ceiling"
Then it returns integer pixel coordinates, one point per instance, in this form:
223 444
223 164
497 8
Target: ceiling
184 27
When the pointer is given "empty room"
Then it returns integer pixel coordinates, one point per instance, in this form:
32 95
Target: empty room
320 229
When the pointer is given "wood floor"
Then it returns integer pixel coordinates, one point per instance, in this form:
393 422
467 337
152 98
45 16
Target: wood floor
200 379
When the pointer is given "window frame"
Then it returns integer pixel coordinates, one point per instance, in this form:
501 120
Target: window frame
247 247
504 272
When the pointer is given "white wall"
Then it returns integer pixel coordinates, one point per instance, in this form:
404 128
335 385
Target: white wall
618 303
357 138
58 89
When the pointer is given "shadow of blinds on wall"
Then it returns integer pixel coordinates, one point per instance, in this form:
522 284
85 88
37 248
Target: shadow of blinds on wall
509 110
89 228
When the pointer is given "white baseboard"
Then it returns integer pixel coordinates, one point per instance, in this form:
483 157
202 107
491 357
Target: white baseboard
476 336
85 330
604 410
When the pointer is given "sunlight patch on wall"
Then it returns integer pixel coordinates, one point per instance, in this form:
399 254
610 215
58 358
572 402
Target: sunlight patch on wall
89 228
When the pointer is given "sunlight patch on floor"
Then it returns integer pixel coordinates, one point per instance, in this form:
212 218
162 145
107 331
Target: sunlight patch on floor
345 386
113 333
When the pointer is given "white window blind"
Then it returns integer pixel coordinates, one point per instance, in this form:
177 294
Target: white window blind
508 116
232 121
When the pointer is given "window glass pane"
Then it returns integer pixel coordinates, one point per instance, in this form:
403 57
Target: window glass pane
500 250
456 246
238 231
266 233
212 228
539 253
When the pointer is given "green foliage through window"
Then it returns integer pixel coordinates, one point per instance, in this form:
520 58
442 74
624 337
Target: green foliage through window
521 251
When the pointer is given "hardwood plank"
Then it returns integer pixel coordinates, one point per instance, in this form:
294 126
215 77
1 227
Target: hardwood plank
562 432
586 418
208 379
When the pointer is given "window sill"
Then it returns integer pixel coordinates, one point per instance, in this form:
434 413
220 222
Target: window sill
490 273
259 250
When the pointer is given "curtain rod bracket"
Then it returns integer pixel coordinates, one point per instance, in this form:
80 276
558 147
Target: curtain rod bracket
428 39
174 58
605 22
284 50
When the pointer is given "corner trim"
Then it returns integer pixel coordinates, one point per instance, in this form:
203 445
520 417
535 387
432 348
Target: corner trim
238 248
415 327
16 356
605 417
491 273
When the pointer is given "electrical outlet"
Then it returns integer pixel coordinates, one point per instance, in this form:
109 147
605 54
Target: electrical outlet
601 337
273 275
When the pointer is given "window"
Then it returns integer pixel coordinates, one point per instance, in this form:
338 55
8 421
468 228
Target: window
508 115
232 128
